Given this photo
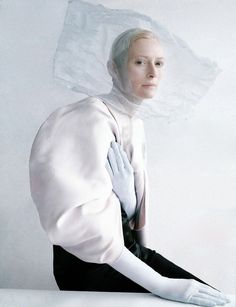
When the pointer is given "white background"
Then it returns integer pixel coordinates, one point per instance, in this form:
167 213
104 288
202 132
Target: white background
191 163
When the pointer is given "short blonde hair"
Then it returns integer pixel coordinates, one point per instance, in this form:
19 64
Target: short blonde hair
121 45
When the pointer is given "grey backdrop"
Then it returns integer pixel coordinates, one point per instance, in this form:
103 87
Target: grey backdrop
191 163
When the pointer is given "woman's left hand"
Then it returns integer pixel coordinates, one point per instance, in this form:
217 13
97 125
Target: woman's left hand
122 177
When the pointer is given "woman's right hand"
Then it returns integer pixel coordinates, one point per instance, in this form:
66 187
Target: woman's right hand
190 291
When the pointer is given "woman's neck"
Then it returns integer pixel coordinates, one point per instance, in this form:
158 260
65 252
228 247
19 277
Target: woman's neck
121 101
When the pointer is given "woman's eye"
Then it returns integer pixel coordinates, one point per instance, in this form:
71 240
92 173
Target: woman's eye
139 62
159 63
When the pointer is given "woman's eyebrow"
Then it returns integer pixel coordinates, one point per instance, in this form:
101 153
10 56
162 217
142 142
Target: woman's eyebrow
147 57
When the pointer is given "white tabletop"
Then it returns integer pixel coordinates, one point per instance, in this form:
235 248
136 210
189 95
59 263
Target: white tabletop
41 298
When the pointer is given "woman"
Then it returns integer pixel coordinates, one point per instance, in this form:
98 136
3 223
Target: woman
94 211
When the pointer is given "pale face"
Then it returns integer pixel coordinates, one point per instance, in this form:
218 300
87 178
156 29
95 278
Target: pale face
145 62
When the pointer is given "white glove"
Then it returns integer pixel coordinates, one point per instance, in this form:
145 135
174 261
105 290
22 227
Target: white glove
190 291
182 290
122 177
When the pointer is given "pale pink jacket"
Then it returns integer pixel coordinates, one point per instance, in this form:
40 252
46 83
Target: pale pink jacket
70 184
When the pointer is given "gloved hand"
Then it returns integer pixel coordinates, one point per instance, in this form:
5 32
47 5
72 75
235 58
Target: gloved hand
190 291
182 290
122 177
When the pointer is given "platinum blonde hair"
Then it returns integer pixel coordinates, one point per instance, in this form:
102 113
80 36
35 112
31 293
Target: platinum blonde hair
121 45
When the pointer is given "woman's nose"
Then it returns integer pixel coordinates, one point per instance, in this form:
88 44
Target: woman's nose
152 71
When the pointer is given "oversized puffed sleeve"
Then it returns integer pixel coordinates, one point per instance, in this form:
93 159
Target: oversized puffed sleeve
70 185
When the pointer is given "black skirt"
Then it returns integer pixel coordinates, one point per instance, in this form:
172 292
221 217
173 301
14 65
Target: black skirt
71 273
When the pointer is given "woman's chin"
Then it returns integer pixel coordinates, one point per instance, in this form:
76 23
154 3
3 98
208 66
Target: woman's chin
147 96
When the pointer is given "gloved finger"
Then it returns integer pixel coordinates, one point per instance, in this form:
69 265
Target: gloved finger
213 292
126 162
118 156
201 302
112 161
216 300
108 167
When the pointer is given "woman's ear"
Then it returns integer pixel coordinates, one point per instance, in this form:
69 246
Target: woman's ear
112 69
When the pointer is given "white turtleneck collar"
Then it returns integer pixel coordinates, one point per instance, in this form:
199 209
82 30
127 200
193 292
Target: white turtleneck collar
125 103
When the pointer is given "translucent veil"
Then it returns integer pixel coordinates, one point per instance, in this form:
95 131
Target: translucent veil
83 51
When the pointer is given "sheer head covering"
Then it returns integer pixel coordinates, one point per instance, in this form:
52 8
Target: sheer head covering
135 65
84 53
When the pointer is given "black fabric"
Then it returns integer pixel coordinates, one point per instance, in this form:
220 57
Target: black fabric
72 273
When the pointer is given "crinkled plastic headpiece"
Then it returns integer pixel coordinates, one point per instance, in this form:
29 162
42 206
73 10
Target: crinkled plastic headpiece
82 60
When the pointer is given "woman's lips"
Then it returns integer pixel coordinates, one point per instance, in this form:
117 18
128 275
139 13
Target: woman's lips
149 85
